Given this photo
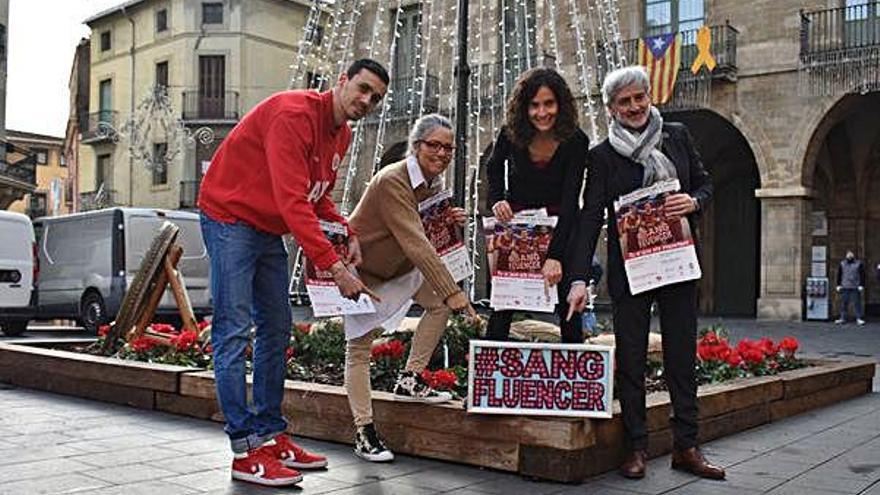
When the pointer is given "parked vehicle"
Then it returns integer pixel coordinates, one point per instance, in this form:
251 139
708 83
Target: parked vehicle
18 271
88 260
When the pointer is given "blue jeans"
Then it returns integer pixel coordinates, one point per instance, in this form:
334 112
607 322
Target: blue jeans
847 295
249 285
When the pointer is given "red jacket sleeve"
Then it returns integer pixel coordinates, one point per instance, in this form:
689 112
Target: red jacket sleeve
288 151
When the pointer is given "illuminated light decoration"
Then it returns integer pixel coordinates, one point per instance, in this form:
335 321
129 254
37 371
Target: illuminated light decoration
155 121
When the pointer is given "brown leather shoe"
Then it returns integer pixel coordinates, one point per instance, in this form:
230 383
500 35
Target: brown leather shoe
633 466
692 461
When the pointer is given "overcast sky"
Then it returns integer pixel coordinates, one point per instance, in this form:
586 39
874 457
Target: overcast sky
42 38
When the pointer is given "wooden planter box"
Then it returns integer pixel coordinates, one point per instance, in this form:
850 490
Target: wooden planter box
131 383
560 449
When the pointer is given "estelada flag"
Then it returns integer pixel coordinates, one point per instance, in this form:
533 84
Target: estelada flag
661 56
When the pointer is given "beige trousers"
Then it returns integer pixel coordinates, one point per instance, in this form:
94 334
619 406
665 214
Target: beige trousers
358 351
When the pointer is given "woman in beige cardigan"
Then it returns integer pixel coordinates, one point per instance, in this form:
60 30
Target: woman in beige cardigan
400 265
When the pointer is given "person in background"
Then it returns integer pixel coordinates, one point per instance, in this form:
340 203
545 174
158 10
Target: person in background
851 286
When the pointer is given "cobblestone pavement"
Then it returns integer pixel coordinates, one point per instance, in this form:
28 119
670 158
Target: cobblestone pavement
58 444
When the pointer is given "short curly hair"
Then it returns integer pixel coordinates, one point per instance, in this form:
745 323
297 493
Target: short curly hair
519 130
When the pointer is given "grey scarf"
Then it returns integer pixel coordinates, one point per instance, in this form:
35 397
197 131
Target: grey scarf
644 148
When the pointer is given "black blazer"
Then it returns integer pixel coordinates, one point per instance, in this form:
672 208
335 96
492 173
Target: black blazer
611 175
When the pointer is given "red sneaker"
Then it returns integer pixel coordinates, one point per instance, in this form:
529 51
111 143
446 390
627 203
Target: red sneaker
263 468
292 455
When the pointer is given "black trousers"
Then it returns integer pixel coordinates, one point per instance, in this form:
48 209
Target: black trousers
572 330
678 324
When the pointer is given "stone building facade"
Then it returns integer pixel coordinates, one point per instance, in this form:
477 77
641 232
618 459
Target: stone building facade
53 194
215 60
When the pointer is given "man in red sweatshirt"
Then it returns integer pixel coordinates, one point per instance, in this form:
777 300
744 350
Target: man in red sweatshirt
273 175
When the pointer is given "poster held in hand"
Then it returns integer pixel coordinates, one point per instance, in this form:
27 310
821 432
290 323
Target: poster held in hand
516 251
326 300
658 250
445 234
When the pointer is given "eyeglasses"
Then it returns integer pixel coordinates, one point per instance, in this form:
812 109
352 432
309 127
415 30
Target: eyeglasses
436 146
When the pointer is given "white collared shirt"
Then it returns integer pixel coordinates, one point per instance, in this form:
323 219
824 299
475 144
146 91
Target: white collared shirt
416 177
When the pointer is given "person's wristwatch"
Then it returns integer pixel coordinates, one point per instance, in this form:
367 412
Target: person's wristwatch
696 203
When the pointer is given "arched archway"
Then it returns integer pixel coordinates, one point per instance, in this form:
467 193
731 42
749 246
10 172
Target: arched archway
730 225
841 167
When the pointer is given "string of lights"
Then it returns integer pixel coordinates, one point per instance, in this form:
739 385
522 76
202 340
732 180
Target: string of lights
583 70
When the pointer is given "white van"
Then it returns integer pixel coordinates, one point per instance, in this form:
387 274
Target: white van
17 272
87 260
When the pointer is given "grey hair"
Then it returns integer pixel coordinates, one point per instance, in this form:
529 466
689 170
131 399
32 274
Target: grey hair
424 126
621 78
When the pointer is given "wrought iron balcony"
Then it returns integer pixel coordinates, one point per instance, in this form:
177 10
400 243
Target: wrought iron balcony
96 200
100 126
18 165
723 49
840 49
691 91
198 106
189 194
405 94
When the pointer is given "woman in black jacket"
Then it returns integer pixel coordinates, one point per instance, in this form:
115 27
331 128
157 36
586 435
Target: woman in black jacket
538 162
641 149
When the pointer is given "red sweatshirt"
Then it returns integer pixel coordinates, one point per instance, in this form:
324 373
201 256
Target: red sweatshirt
276 169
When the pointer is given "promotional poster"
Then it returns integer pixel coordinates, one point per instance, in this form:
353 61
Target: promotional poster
324 295
516 251
657 250
445 235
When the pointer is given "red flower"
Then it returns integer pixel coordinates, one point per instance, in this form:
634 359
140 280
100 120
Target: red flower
303 327
788 345
734 359
428 377
142 344
440 379
289 354
208 349
753 355
714 349
163 328
767 346
744 345
203 324
445 379
393 349
710 338
103 330
185 341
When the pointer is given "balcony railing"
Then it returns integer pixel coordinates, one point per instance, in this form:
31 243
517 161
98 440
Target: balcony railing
723 49
406 100
96 200
18 164
189 194
840 49
198 106
100 126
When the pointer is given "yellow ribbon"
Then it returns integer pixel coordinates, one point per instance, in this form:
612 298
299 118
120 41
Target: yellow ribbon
704 43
